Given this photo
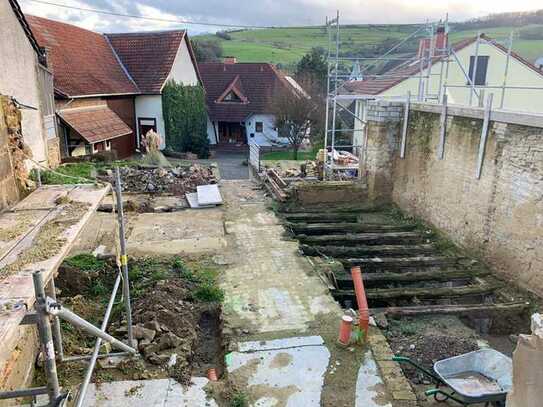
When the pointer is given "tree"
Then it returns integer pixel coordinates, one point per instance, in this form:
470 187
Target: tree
207 50
313 68
298 115
185 118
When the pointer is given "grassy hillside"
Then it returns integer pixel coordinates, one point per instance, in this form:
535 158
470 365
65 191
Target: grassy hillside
287 45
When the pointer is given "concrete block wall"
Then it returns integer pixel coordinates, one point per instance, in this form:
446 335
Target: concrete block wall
498 217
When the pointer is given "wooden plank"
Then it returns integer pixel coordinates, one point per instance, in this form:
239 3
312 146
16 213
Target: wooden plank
391 263
277 178
346 227
484 136
345 279
405 125
18 288
423 292
442 129
363 238
308 217
472 310
277 191
362 250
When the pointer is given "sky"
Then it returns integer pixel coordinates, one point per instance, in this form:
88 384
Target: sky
265 12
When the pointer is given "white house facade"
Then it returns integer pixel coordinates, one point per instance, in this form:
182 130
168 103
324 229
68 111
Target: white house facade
239 97
173 60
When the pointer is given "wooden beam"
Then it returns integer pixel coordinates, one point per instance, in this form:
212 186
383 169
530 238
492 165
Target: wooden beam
472 310
344 279
405 125
484 136
422 292
343 251
363 238
345 227
399 262
277 178
442 129
328 217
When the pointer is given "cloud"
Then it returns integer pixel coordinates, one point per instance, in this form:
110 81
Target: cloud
267 12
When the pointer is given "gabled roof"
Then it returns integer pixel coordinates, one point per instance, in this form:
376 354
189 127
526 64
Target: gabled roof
82 61
257 82
235 87
28 32
149 56
391 78
94 124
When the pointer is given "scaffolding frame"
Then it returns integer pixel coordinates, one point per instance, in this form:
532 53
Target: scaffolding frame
47 315
427 58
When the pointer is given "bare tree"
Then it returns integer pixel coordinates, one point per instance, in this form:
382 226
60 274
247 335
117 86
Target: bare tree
298 114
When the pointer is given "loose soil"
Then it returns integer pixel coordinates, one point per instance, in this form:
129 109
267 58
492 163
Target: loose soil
49 239
174 298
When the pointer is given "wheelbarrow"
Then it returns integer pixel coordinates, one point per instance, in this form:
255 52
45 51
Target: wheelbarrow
482 376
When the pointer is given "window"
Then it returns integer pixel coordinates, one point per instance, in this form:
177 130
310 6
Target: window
231 97
259 127
482 67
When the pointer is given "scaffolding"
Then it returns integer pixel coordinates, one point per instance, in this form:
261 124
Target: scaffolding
48 313
421 67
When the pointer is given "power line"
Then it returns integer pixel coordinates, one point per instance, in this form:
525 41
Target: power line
167 20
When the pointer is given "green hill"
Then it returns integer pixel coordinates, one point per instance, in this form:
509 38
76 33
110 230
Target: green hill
285 46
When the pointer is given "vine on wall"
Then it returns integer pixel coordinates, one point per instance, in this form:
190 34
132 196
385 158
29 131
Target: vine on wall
185 118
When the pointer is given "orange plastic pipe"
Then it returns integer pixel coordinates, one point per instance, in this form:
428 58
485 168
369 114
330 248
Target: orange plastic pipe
345 330
361 299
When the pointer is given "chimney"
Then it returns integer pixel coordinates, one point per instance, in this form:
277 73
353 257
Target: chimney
230 60
440 42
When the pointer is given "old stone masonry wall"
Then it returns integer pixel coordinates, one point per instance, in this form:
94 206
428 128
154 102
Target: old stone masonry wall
499 216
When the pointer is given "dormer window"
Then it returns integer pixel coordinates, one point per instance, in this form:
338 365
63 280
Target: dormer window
231 97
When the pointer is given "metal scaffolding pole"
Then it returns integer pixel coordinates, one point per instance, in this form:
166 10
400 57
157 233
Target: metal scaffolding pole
475 62
506 70
431 52
57 333
46 339
327 118
124 257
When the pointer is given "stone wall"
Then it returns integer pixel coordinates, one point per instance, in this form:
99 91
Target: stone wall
9 191
499 216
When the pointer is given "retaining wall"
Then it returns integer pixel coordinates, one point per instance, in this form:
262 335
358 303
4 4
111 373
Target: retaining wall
9 191
499 216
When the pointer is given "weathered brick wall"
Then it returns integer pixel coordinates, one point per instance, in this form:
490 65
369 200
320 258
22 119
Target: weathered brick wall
499 216
9 192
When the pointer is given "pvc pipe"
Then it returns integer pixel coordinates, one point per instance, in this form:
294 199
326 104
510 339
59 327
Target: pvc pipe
345 330
361 299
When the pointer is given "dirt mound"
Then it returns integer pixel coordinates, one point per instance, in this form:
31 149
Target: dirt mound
425 350
177 180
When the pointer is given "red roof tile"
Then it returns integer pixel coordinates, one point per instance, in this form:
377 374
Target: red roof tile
148 56
257 82
82 61
95 124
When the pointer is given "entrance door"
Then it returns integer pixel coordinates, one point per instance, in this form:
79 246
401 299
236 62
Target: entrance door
232 133
145 124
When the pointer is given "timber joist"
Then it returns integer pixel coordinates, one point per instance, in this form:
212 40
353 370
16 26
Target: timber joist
401 265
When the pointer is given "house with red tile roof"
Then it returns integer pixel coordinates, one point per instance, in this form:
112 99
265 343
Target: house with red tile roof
25 76
486 72
239 98
108 86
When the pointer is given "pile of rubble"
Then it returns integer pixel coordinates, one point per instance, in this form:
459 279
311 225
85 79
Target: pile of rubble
177 180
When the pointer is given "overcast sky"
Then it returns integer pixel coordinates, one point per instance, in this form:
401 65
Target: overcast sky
266 12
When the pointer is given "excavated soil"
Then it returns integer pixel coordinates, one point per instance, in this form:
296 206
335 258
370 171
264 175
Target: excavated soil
178 323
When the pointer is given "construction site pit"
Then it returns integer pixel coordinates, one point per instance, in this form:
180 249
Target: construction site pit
430 298
176 318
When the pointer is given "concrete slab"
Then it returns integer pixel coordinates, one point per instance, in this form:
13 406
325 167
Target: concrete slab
370 389
148 393
209 195
291 375
189 231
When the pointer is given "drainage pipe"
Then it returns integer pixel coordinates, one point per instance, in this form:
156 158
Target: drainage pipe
361 299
